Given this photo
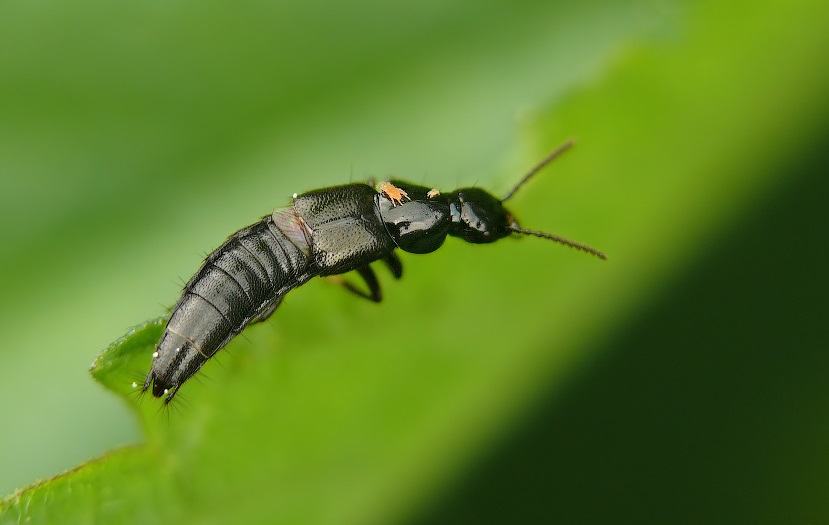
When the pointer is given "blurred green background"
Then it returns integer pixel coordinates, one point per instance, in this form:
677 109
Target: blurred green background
682 379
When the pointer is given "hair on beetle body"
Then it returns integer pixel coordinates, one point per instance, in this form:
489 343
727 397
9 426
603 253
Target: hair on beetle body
324 232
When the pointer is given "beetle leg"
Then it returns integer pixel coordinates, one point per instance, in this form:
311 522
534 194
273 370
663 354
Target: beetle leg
394 264
368 276
267 311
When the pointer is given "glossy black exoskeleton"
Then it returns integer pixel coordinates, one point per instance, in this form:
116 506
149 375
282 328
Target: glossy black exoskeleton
323 232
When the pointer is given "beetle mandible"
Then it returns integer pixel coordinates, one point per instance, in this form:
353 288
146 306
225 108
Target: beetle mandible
323 232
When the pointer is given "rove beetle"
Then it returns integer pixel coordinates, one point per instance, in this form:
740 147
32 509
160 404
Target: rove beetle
323 232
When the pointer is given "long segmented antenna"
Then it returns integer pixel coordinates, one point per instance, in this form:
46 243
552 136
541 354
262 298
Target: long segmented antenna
548 159
567 242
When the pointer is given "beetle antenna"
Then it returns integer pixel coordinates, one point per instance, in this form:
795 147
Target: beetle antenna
562 240
548 159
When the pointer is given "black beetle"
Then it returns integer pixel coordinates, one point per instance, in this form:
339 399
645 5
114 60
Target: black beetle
323 232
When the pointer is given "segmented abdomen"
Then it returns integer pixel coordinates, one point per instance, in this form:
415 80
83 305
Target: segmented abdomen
243 279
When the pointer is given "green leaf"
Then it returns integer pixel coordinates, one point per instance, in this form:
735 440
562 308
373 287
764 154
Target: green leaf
342 411
128 358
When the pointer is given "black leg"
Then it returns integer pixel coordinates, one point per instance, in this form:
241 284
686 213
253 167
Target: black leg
394 264
371 280
267 311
